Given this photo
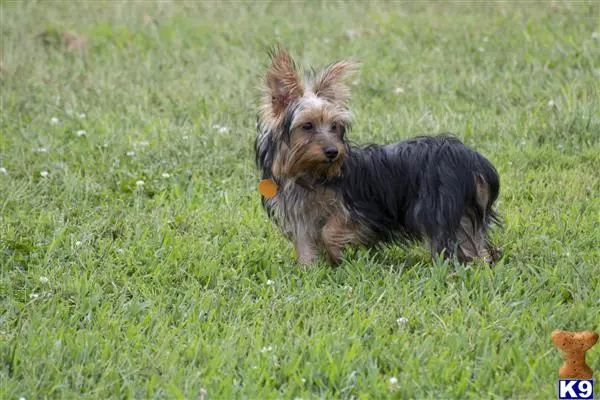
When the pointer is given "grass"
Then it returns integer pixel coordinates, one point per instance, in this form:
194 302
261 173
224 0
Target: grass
181 288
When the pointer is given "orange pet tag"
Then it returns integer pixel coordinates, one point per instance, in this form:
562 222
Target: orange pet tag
268 188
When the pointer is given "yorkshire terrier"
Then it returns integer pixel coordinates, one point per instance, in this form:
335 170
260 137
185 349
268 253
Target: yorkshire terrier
326 193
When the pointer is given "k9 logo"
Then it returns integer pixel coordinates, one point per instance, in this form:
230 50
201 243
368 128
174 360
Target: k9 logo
576 389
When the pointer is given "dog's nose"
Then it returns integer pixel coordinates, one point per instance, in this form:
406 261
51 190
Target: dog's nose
331 153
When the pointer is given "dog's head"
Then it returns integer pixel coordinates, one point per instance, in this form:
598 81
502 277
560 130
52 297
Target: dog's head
307 118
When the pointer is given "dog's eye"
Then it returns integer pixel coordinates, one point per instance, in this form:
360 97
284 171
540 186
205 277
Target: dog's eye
307 126
333 126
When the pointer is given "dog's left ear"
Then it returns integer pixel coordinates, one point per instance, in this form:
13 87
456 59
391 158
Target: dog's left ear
331 82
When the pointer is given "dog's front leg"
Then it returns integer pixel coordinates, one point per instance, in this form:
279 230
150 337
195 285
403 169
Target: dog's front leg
306 250
335 235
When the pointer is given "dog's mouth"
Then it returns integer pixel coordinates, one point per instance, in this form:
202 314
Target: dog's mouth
325 166
314 169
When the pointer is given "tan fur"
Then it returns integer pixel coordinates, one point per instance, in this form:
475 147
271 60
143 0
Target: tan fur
306 250
483 191
305 151
338 232
326 114
282 86
472 241
330 83
300 218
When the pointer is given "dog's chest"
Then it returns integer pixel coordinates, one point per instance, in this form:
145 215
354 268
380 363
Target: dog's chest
300 212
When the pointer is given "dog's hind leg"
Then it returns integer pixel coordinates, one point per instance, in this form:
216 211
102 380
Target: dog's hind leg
471 241
437 218
472 232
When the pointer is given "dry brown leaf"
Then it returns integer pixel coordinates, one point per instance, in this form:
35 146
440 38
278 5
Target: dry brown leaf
74 42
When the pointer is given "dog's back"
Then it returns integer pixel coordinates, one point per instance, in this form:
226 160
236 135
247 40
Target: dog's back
431 187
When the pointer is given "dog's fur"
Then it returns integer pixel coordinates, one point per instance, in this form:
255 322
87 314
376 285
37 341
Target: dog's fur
332 194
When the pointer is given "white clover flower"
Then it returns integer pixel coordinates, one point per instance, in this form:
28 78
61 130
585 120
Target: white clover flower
594 35
165 175
34 296
3 170
185 137
393 380
40 150
54 121
351 33
270 282
223 129
81 133
399 90
139 183
551 103
43 279
402 321
44 174
78 243
130 153
266 349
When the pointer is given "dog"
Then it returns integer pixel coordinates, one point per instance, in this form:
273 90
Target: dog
326 193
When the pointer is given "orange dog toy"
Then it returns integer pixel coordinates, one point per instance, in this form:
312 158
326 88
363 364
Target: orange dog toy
573 346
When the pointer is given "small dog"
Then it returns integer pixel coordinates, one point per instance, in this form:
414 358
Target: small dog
328 193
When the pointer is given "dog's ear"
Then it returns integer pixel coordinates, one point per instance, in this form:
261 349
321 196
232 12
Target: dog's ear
283 82
331 82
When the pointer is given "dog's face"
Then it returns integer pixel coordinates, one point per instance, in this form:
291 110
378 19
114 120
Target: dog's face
308 119
314 140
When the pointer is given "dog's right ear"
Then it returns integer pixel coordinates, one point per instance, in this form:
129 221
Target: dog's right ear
330 83
283 82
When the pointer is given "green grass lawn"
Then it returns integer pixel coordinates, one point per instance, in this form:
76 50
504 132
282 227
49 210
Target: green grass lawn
137 261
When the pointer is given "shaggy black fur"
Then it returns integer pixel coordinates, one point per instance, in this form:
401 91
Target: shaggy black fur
417 187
